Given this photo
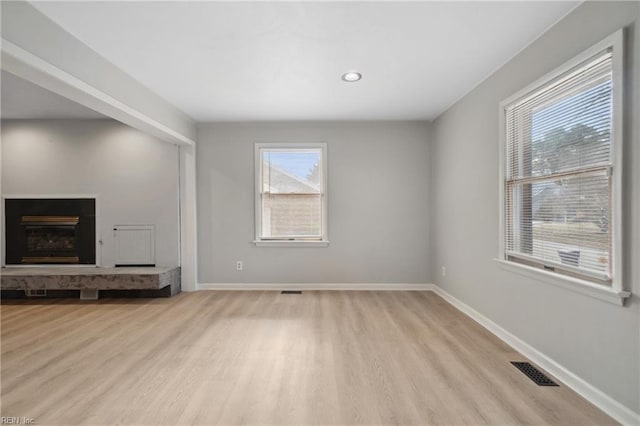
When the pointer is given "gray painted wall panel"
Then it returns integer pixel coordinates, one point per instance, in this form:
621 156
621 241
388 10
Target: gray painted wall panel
378 205
598 341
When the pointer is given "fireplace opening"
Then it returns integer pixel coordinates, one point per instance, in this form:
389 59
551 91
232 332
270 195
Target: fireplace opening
50 239
50 231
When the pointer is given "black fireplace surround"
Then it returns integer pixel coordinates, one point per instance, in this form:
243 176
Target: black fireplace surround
50 231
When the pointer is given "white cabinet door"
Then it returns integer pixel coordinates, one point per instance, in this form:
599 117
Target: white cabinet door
135 244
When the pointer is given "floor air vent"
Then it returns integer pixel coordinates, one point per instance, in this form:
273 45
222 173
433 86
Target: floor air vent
38 292
291 292
534 374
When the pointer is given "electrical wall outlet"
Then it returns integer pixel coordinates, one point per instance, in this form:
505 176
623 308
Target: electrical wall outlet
239 265
444 271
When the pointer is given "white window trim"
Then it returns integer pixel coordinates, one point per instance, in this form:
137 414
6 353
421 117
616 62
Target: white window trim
575 285
258 241
616 293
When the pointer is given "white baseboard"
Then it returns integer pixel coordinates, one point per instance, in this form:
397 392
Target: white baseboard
594 395
318 286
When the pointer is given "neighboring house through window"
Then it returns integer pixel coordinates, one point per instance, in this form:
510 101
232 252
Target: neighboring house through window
561 170
291 194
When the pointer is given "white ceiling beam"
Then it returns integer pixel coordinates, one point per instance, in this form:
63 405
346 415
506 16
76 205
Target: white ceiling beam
38 50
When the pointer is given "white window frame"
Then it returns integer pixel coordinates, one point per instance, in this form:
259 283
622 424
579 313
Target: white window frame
259 241
614 293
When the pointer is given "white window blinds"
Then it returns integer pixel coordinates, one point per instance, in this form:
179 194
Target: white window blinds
558 180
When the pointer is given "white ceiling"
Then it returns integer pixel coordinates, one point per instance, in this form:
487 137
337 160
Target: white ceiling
246 61
22 99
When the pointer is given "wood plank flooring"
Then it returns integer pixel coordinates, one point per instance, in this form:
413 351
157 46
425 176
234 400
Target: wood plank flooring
267 358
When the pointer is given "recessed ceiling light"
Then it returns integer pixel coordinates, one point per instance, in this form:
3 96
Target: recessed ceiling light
351 76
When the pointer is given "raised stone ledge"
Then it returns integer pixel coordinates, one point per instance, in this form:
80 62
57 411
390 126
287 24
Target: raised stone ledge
80 278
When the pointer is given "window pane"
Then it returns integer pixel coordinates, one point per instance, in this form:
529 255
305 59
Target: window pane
570 223
291 193
291 215
292 171
573 133
563 126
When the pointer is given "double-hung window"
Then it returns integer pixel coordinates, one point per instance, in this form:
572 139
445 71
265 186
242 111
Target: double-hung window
291 199
561 171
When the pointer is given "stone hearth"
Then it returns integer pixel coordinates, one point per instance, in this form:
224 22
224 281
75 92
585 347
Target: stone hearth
83 278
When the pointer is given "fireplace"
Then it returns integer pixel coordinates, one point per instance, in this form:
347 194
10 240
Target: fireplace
50 231
50 239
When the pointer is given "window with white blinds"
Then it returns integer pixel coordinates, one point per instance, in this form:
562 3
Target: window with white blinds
561 140
290 192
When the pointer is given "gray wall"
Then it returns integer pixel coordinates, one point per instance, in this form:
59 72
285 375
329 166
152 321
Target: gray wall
596 340
134 175
378 205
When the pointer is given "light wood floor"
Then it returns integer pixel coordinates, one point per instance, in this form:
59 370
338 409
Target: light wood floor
266 358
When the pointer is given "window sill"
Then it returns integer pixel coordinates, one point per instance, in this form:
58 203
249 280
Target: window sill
307 244
576 285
